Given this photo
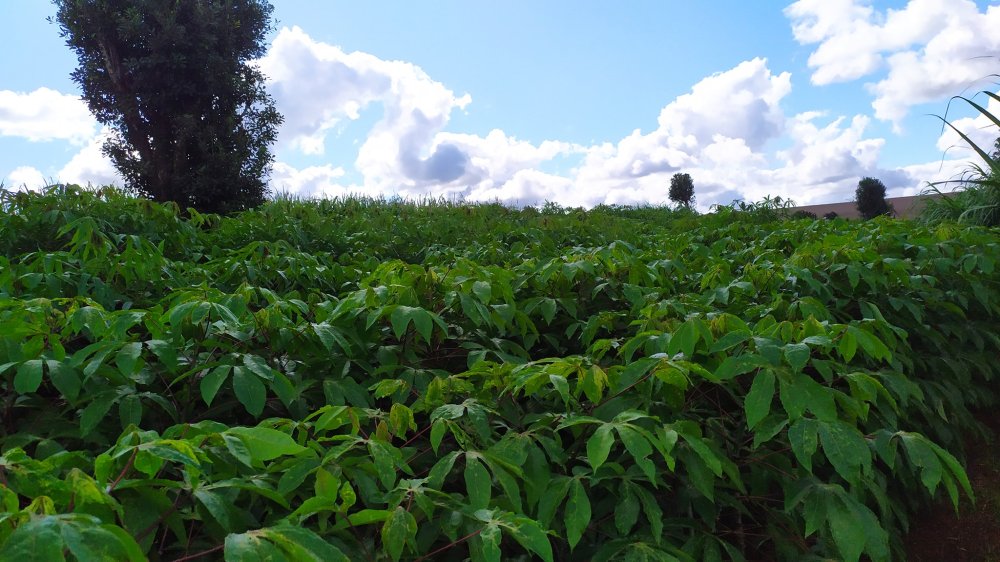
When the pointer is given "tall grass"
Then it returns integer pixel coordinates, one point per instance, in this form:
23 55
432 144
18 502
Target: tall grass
977 199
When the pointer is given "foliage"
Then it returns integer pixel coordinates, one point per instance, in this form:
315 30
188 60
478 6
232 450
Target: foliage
831 215
767 210
376 380
869 198
977 200
682 190
190 118
803 214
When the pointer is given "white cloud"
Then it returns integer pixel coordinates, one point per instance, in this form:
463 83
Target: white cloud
45 115
719 132
930 49
90 166
25 177
313 181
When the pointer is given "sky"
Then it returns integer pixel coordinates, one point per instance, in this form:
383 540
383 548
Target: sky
578 102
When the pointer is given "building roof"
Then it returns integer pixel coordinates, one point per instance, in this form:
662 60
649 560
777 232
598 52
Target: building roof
906 207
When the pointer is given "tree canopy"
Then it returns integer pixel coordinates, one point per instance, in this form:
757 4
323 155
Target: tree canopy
869 198
189 118
682 189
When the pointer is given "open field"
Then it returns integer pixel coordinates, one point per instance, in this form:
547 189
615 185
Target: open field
372 380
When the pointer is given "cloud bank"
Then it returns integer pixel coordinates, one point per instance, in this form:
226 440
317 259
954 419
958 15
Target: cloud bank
928 50
731 131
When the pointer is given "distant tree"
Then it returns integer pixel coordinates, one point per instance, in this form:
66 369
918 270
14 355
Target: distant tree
682 190
831 215
870 199
191 120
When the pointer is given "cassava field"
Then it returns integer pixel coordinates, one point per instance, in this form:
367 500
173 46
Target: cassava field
374 380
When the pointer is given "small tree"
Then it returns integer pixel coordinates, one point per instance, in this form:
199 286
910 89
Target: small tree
870 199
190 119
682 190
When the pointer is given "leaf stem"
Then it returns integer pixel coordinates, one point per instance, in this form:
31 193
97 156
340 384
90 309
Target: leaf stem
449 545
197 555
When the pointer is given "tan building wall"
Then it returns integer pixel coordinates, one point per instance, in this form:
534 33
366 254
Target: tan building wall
906 207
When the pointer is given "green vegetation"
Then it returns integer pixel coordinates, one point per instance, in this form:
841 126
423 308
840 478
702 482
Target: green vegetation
377 380
682 190
977 200
191 121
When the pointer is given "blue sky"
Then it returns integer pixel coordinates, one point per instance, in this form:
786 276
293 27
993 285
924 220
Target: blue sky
579 102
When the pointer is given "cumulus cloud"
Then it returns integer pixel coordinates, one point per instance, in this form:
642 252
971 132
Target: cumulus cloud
310 182
90 166
24 177
45 115
928 50
721 132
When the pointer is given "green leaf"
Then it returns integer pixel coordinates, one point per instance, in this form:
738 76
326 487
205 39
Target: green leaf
249 391
220 508
639 447
845 448
923 456
684 339
577 512
422 320
531 536
331 338
130 410
398 529
38 539
626 511
730 340
758 401
802 436
599 446
251 547
847 529
551 498
490 537
28 377
266 444
213 381
478 484
65 379
302 545
848 346
127 358
483 291
803 393
797 355
96 411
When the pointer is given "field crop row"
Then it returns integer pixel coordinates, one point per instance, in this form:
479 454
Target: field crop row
362 380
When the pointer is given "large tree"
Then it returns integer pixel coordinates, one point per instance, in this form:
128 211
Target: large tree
869 198
190 118
682 189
